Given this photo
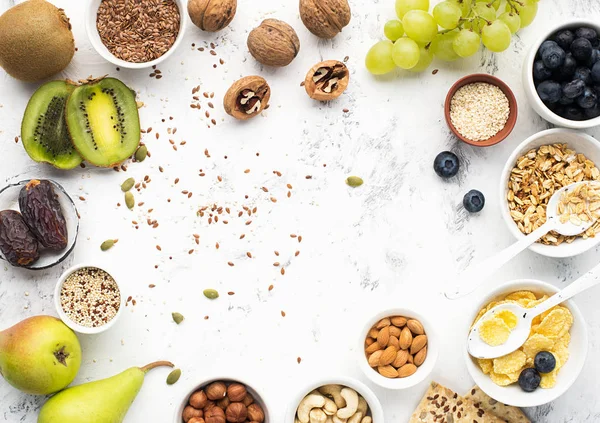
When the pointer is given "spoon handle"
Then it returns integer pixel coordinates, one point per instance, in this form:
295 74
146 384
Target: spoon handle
475 275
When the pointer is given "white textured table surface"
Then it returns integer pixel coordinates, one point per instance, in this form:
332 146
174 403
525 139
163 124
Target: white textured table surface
395 240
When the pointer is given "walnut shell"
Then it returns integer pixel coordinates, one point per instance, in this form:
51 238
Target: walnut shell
247 97
325 18
212 15
274 43
327 80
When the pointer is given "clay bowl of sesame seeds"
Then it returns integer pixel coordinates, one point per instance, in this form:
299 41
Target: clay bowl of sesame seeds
88 299
481 110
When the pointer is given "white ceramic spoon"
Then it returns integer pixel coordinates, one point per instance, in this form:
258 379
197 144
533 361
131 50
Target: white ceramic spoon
479 349
475 275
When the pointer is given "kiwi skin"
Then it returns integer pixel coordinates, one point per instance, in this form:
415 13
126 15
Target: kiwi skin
36 41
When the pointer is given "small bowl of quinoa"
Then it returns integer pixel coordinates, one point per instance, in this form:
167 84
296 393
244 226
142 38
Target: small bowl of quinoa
480 110
88 299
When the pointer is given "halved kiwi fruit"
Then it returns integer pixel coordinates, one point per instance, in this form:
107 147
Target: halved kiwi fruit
103 120
44 130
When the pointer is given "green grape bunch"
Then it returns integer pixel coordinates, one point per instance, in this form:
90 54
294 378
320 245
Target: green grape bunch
454 29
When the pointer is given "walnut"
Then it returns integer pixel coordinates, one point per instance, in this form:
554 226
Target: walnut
246 98
214 415
326 80
274 43
236 412
236 392
325 18
256 413
216 390
212 15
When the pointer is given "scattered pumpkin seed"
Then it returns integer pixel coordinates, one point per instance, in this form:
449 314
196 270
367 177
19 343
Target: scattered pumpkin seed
107 245
211 294
141 153
173 377
177 317
129 200
354 181
127 185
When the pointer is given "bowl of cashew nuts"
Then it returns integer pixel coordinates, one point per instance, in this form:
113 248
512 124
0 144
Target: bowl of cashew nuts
339 400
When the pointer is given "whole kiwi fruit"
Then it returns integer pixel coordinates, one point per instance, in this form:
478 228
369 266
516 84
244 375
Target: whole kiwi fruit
36 41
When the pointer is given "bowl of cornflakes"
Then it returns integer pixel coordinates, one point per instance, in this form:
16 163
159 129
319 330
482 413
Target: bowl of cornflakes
561 331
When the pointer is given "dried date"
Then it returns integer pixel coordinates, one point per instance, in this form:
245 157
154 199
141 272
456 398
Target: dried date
42 213
17 243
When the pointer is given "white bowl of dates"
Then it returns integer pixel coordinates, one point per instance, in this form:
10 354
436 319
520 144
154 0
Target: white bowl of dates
88 299
551 359
347 399
39 224
561 75
223 400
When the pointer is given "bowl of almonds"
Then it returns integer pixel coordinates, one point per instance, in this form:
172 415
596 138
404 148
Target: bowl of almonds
398 348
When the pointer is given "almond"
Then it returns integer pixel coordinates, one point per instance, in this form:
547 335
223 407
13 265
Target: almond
388 371
420 357
398 321
411 359
369 341
372 348
406 338
388 356
418 343
375 358
394 331
383 336
407 370
415 327
393 342
383 323
401 359
373 333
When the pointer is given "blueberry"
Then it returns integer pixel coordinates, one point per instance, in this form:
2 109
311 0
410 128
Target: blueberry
573 113
587 99
566 71
473 201
581 49
593 58
587 33
553 57
541 72
529 380
544 362
446 164
545 45
564 39
549 91
596 72
573 89
584 74
592 112
565 101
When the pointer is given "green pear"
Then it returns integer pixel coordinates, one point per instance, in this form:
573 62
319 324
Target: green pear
103 401
39 355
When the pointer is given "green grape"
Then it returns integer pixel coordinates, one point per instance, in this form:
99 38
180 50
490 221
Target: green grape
526 12
403 6
405 53
447 14
393 29
466 43
464 5
379 58
486 12
512 21
496 37
495 3
425 59
419 26
441 46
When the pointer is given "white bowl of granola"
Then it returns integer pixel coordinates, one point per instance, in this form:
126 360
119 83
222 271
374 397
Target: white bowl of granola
522 178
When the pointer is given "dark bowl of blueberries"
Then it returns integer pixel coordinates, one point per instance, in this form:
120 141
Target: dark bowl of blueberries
561 75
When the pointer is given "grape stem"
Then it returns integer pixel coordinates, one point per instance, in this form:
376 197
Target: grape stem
462 21
512 6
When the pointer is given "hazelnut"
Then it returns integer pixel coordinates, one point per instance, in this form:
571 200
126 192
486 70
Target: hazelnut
325 18
190 412
326 80
236 412
214 415
248 399
246 98
197 420
198 399
223 403
236 392
212 15
216 390
274 43
255 413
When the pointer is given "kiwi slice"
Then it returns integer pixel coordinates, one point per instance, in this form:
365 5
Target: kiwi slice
103 121
44 130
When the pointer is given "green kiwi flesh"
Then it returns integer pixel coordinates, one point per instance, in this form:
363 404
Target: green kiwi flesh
103 121
44 130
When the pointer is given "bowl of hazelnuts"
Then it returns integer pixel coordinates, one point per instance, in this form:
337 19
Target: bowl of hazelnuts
223 401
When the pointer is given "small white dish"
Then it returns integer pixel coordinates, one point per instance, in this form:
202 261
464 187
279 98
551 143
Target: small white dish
67 320
527 75
374 405
578 348
94 37
256 394
422 372
580 143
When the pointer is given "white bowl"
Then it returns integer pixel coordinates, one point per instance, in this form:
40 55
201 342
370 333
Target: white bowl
513 394
70 323
422 372
258 397
527 75
580 143
94 37
374 405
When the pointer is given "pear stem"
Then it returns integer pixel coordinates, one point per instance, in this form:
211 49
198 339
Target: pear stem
156 364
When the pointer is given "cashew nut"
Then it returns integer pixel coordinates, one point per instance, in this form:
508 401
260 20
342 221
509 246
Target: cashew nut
356 418
363 407
317 416
367 419
329 419
334 392
336 419
351 398
307 404
330 408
